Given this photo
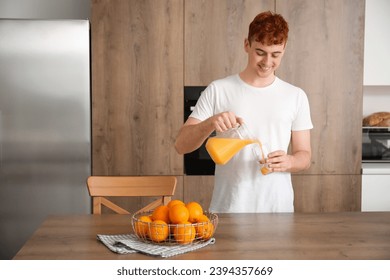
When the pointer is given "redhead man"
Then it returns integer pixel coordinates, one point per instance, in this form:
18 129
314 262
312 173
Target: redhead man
276 112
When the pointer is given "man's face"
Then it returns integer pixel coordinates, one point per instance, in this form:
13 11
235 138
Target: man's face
263 59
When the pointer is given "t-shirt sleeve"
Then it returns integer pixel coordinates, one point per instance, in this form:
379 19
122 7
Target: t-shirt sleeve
204 107
303 118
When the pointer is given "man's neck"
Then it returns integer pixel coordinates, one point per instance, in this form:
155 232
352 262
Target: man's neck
257 81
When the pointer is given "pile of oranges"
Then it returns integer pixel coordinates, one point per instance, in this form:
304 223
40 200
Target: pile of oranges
183 223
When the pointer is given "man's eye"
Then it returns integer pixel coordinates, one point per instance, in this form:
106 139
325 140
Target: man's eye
260 53
275 55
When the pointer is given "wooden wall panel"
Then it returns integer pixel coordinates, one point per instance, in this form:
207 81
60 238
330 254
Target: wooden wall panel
327 193
214 37
324 56
198 188
137 86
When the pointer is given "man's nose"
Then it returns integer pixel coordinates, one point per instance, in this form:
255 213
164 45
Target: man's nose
266 60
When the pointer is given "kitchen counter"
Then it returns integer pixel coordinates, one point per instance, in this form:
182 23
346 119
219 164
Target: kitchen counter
350 235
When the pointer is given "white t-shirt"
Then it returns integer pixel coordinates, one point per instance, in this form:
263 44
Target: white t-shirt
270 113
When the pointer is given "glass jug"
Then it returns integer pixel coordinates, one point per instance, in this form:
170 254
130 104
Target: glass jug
224 146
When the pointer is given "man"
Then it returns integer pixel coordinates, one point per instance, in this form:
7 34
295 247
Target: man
275 112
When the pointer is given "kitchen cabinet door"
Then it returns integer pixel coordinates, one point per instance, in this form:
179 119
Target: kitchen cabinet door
137 86
324 56
214 37
326 193
376 43
198 188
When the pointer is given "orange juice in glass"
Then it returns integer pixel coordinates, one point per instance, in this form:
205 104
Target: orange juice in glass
261 153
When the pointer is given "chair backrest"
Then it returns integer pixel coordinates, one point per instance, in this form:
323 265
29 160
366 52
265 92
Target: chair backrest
101 187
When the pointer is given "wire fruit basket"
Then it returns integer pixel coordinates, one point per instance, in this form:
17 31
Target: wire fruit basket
161 233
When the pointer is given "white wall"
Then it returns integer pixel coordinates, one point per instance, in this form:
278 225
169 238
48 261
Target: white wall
45 9
376 99
376 91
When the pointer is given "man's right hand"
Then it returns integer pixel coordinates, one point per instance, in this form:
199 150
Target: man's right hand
225 120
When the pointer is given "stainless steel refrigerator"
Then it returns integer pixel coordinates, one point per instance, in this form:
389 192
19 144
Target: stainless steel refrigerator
45 139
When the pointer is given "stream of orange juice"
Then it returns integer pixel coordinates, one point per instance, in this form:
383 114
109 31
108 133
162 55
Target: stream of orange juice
222 150
264 169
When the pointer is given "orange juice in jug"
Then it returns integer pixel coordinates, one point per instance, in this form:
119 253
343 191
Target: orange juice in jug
224 146
222 150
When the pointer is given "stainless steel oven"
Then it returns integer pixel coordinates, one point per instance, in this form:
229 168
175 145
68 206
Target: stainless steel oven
376 144
199 161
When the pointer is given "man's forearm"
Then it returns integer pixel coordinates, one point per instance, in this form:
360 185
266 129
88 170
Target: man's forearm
301 161
191 137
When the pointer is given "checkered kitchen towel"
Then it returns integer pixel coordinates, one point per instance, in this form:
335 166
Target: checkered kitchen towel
129 243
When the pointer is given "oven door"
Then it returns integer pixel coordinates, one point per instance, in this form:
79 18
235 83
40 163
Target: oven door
376 144
199 161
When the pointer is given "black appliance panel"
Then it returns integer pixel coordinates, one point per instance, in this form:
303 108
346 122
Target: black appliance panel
199 161
376 144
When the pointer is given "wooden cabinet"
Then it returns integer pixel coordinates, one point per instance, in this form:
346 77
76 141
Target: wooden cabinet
214 37
137 84
326 193
198 188
324 56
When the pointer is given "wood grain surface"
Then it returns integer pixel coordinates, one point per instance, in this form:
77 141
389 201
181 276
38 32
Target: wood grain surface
324 57
326 236
137 85
214 37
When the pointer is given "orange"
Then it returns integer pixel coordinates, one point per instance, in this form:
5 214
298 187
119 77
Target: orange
178 214
174 202
184 233
204 228
195 210
158 231
161 213
141 226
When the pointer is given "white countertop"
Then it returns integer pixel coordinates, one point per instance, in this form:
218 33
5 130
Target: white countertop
376 168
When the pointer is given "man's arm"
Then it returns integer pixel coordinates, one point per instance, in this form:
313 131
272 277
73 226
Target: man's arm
301 150
192 135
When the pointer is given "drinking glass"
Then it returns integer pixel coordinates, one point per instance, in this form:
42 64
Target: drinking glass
261 152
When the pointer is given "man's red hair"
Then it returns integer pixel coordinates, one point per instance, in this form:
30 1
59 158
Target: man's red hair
269 29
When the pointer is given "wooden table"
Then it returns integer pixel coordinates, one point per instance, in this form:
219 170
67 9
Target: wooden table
338 236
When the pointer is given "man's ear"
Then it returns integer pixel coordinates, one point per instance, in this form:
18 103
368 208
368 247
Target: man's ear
247 45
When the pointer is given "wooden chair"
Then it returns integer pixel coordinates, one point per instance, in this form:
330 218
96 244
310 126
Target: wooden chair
102 187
